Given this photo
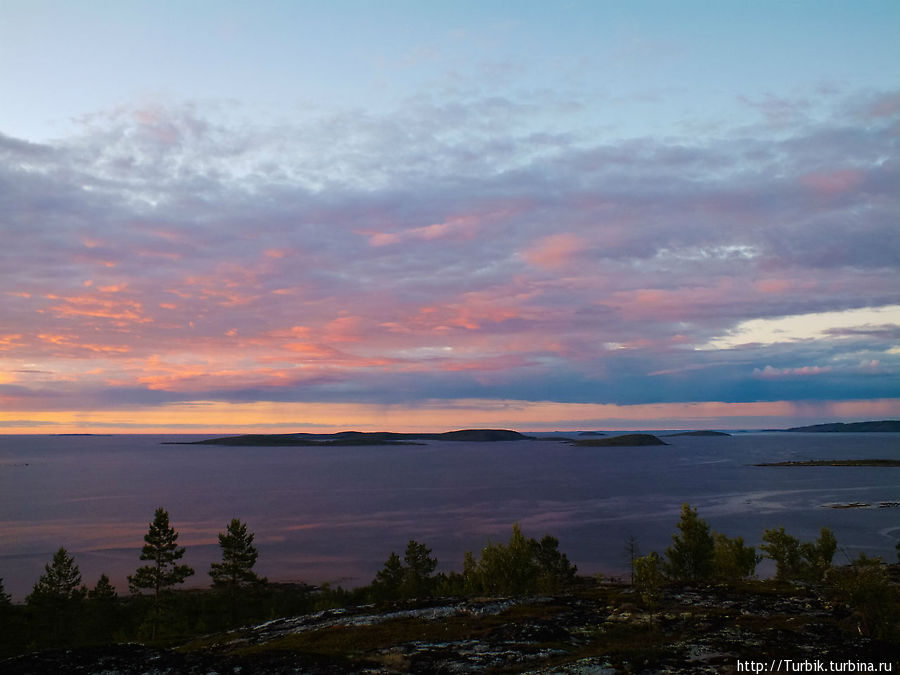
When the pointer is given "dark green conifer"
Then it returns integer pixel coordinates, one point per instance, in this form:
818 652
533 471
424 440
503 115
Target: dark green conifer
56 597
103 591
418 582
238 557
162 550
690 558
732 560
555 572
102 611
389 579
796 561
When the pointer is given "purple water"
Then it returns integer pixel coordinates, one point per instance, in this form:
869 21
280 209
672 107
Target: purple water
334 514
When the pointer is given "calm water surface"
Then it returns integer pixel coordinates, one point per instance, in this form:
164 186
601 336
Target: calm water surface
334 514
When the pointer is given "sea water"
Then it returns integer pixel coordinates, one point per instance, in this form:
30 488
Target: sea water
334 514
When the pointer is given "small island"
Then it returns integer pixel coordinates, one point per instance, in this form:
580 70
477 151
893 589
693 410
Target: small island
880 426
835 462
343 438
626 441
700 433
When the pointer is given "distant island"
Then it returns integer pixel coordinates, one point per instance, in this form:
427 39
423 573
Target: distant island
361 438
835 462
628 440
700 433
881 426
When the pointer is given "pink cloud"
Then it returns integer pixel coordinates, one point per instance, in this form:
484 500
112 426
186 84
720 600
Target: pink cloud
344 329
679 303
774 286
462 227
887 105
554 251
832 183
119 312
9 340
202 377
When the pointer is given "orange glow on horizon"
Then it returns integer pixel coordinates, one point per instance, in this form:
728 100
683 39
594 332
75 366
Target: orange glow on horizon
213 417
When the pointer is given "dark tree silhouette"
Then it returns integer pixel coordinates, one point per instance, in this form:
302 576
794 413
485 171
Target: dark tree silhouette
162 550
102 611
389 579
632 553
56 597
690 558
238 557
103 590
419 568
555 572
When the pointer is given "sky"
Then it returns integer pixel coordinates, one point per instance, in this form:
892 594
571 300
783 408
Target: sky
307 216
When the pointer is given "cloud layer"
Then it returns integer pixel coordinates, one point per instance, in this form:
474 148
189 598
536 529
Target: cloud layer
461 251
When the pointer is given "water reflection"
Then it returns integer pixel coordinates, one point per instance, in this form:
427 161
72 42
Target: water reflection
326 514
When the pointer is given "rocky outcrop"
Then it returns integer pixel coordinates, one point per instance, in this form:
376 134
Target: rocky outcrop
596 630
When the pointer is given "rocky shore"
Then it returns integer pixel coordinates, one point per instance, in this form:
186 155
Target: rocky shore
595 630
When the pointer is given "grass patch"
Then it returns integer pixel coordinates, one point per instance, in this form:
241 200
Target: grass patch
627 642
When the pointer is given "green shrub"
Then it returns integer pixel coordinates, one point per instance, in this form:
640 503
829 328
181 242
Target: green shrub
411 578
796 561
690 558
648 578
864 587
732 561
519 567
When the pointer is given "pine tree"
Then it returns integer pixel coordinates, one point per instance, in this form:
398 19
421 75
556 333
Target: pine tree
732 561
389 579
238 557
57 595
554 569
632 553
102 611
419 566
103 591
690 558
807 561
162 550
785 551
6 634
5 599
509 569
648 578
61 578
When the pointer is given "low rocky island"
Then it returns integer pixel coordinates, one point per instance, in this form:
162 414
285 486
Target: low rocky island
626 441
361 438
879 426
700 433
835 462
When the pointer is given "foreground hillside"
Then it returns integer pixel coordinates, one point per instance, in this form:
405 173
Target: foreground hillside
601 628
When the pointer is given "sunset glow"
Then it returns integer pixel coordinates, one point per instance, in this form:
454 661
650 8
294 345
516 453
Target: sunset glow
413 217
